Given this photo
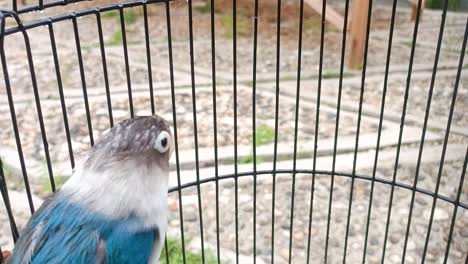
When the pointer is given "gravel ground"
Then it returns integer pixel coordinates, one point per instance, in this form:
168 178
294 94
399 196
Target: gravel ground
338 219
266 62
32 139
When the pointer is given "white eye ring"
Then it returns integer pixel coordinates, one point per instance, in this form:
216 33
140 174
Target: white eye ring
162 143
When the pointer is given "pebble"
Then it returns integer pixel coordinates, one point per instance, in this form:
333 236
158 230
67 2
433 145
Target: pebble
439 214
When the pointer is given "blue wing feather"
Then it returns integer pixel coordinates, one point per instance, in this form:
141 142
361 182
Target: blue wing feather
62 232
123 247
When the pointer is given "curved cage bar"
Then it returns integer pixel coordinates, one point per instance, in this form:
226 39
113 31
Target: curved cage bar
284 153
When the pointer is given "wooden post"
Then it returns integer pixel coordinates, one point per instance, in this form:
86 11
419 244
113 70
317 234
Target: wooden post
415 8
358 27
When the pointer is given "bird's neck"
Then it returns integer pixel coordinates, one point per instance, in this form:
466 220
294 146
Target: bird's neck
129 190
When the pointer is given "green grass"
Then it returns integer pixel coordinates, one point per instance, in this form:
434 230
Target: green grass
11 23
250 159
335 75
264 135
439 4
113 13
12 177
202 8
130 16
457 51
6 170
227 22
59 182
176 257
408 43
304 155
116 39
52 97
312 26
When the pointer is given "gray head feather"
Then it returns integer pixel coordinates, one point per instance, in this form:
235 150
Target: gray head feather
132 139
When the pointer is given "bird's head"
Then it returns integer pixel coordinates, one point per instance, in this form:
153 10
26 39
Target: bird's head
141 141
126 172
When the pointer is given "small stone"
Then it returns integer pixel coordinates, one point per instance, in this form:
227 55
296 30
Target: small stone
190 200
410 259
191 217
299 236
373 259
174 223
464 232
228 184
394 238
284 252
411 245
395 258
439 214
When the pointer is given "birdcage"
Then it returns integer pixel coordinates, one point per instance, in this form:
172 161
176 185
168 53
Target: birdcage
284 151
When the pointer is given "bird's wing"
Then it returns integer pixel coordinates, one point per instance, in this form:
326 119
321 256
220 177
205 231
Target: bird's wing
61 232
69 245
124 247
54 235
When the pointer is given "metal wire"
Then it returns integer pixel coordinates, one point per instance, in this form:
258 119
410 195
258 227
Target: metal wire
104 68
254 143
234 86
428 107
403 186
83 79
195 129
71 16
6 202
296 119
462 177
447 134
215 124
148 58
379 133
37 100
11 105
127 66
62 98
275 150
174 120
455 209
317 121
358 129
413 189
402 125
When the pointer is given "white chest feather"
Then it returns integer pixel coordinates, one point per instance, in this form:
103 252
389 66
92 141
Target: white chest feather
127 190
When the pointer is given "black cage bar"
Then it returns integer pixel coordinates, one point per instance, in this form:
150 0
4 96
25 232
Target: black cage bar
312 211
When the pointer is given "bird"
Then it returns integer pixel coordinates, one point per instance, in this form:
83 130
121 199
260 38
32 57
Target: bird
113 209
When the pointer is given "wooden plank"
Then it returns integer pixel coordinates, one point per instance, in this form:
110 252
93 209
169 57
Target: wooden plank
358 27
331 16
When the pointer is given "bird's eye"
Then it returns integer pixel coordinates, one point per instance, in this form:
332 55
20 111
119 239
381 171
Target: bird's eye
162 142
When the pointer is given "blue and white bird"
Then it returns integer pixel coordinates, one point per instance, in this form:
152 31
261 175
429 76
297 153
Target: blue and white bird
114 207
